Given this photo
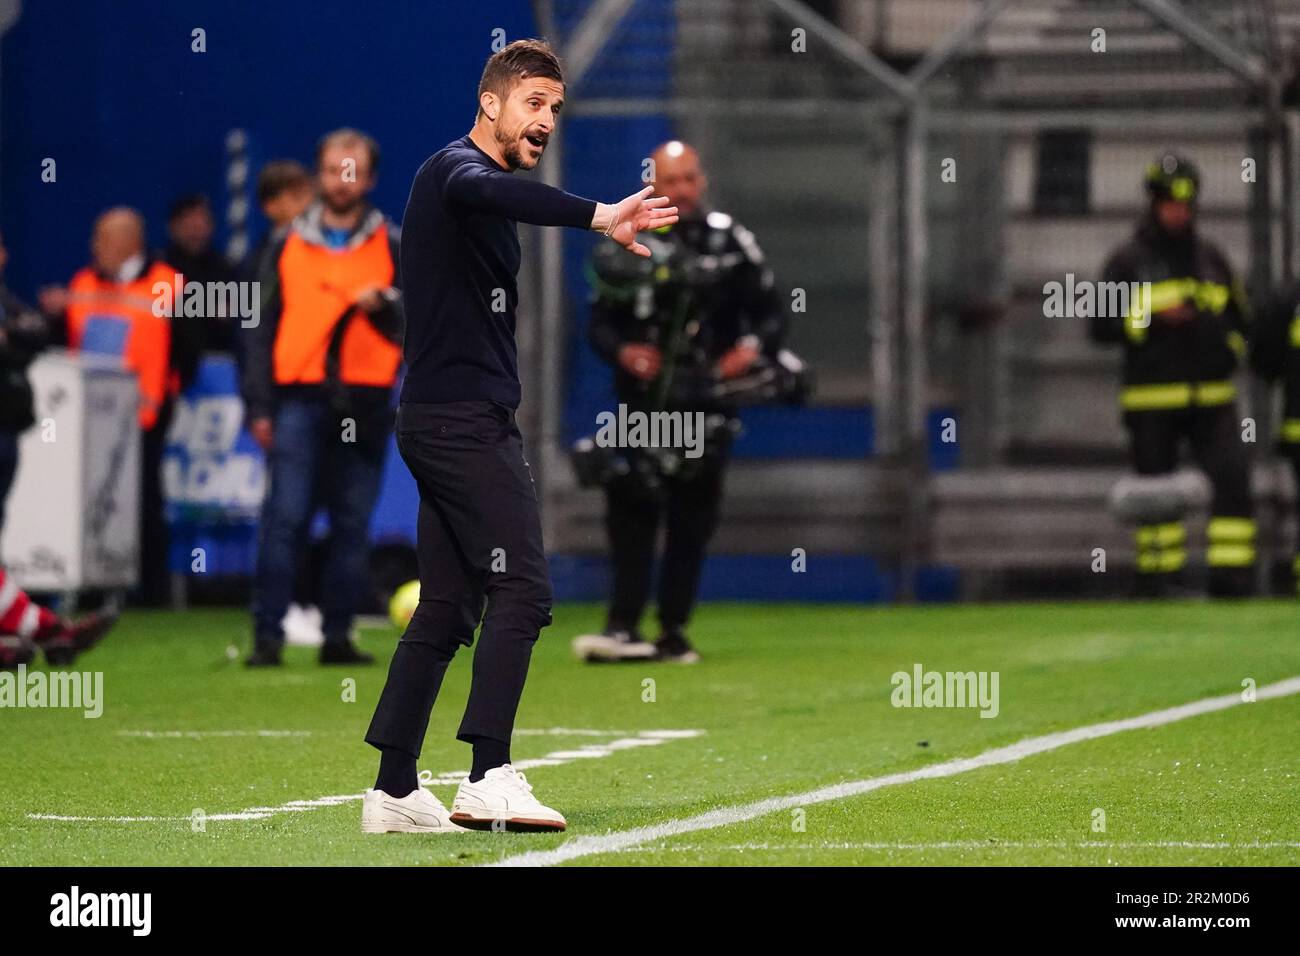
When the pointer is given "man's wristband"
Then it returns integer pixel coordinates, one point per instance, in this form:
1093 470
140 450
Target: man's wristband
605 219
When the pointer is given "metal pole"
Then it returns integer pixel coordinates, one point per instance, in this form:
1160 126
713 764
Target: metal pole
845 46
883 265
589 37
550 333
938 56
1245 65
913 246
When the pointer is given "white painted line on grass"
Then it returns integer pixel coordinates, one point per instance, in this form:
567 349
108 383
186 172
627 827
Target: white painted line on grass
450 778
965 845
201 734
645 738
725 816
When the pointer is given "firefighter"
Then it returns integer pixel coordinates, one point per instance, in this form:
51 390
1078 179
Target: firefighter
701 311
1183 336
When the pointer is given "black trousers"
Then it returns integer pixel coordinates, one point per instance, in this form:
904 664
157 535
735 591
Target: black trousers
1214 436
155 536
632 518
479 546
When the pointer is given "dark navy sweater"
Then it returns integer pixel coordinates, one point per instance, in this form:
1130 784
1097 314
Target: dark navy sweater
459 259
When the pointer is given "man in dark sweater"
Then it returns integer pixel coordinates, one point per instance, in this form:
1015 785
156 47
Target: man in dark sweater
479 533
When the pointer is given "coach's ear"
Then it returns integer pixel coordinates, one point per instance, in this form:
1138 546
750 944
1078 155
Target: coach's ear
490 104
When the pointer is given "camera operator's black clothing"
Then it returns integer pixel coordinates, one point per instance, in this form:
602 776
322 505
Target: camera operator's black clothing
704 289
1178 388
715 262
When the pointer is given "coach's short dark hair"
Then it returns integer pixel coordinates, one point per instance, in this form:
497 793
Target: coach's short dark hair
280 176
515 62
349 135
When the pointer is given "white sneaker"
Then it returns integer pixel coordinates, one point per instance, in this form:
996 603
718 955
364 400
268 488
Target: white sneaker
612 646
302 626
417 812
503 800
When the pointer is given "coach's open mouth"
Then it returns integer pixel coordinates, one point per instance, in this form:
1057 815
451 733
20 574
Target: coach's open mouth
537 141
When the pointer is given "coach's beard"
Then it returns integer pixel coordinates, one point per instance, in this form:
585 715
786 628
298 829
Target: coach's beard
514 156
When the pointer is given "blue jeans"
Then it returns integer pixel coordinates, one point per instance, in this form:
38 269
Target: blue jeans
310 462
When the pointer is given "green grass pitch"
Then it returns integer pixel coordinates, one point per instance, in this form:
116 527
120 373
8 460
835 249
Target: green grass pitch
788 699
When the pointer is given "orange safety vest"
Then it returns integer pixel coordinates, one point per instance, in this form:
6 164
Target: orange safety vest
316 285
106 317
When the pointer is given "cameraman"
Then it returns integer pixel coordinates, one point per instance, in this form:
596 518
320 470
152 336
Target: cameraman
676 327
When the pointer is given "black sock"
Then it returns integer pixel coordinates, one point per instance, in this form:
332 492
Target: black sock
397 774
488 753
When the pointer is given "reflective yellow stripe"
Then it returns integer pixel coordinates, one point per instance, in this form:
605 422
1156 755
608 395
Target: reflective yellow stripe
1214 393
1145 398
1295 332
1230 555
1212 297
1171 293
1291 430
1162 562
1156 397
1161 535
1237 342
1138 319
1231 529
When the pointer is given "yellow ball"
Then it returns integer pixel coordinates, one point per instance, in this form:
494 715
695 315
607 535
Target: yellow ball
402 604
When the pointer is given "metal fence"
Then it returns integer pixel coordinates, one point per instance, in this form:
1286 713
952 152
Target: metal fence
920 168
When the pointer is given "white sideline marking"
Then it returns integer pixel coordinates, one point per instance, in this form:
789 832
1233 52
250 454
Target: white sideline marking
646 738
966 845
611 842
525 732
200 734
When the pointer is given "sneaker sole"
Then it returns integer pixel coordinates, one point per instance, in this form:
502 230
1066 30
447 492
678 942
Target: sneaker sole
512 824
406 828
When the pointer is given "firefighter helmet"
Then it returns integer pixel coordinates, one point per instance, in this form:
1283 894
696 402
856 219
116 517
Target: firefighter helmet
1173 177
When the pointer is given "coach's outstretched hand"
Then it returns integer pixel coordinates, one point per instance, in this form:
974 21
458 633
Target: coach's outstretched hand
637 213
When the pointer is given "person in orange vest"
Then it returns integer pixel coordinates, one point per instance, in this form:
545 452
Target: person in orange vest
113 307
319 371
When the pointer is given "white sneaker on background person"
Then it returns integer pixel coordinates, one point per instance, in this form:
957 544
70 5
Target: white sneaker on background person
303 626
612 645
